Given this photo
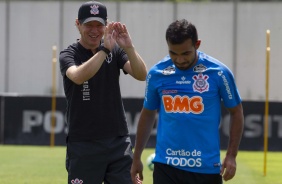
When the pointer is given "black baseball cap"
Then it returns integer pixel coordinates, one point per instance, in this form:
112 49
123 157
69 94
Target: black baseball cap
92 10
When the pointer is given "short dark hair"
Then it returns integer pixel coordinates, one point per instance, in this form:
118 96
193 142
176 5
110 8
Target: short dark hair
181 30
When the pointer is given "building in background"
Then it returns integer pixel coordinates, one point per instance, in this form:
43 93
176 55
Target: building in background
233 31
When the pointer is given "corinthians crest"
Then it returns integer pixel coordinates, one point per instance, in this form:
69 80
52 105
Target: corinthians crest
200 83
76 181
94 9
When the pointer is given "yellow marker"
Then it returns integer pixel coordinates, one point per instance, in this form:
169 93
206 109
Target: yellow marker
266 113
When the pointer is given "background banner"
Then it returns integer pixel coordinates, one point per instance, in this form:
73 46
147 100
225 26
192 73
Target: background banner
26 120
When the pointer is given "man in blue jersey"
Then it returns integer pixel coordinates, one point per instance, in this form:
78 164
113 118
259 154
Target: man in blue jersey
186 88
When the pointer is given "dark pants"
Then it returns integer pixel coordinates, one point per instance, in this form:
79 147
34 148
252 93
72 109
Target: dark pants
107 160
165 174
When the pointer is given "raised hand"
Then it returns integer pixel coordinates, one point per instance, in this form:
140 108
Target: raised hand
109 38
122 36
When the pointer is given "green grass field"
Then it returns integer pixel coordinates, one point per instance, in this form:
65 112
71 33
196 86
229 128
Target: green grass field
45 165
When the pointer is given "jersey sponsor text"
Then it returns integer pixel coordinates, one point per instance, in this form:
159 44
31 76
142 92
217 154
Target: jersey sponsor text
183 104
184 158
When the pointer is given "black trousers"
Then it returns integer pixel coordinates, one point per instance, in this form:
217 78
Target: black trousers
107 160
165 174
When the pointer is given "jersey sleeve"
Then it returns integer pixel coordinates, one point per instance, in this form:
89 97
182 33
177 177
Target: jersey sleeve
228 89
151 100
122 57
66 60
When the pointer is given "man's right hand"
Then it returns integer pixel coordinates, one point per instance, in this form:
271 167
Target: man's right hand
137 171
109 39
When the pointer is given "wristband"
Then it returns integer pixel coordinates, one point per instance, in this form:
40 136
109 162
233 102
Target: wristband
107 51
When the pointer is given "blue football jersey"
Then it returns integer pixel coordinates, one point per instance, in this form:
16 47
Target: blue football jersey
189 105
